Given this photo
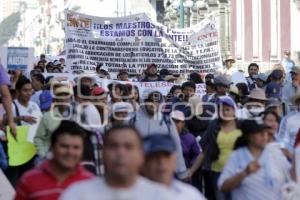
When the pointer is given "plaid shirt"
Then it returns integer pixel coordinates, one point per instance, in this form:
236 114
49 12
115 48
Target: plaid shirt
97 142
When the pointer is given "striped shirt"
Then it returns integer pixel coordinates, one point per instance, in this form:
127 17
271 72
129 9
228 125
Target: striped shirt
265 184
41 184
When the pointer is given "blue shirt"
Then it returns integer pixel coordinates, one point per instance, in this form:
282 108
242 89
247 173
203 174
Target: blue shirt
3 158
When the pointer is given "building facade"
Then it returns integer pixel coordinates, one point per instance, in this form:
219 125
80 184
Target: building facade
261 30
197 10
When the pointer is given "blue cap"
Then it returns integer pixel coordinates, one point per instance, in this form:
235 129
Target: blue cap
226 100
277 74
221 81
273 90
159 143
45 100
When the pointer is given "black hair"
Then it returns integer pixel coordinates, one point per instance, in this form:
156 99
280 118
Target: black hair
243 88
116 85
209 83
196 78
98 67
49 64
241 141
174 87
39 77
271 112
253 65
121 127
42 62
164 72
21 82
102 71
83 89
209 76
67 127
188 84
155 95
130 89
42 56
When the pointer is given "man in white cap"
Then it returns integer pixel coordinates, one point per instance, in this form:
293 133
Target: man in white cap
228 69
51 120
120 112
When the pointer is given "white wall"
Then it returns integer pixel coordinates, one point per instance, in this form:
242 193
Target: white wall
295 30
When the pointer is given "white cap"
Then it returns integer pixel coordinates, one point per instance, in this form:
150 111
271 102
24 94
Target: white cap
122 107
177 115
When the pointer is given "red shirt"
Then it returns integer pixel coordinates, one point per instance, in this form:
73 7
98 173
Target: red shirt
41 184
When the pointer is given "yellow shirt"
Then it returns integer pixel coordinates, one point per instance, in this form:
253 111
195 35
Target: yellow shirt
225 142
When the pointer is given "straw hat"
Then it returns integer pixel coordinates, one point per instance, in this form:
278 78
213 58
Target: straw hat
258 93
230 58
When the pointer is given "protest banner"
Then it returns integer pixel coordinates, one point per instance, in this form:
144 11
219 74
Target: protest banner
14 58
130 43
200 89
161 86
20 150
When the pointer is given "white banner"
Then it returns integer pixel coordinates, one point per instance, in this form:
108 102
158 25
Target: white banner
161 86
130 43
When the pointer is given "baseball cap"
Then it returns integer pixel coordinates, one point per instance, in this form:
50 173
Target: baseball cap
159 143
45 100
122 107
97 91
262 76
273 90
62 89
226 100
177 115
250 126
273 102
222 81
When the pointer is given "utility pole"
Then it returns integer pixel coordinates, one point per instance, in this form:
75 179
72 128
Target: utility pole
181 14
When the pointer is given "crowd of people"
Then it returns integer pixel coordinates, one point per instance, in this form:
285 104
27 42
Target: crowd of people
236 141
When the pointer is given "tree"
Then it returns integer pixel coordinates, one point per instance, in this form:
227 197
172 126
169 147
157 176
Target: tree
9 27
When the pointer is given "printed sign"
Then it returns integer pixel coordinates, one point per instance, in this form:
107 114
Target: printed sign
130 43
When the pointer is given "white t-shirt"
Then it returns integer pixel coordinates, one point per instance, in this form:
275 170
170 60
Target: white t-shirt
36 97
97 188
93 116
31 110
184 191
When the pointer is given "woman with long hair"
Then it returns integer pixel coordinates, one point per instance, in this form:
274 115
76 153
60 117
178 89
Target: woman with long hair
271 119
254 170
218 142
